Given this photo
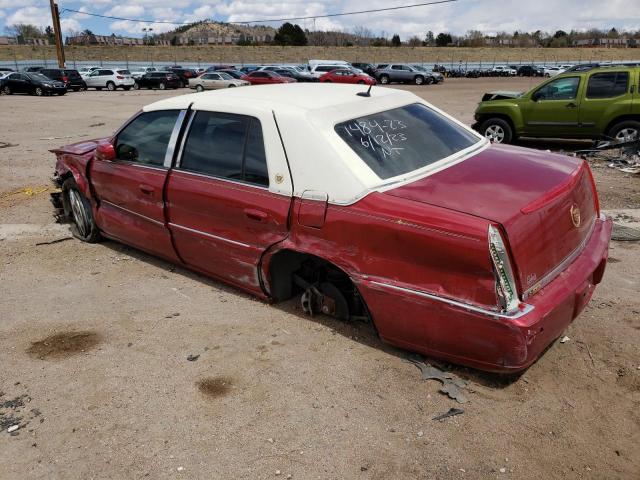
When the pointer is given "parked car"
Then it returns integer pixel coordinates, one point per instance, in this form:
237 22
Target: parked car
552 71
530 71
450 246
262 78
430 75
159 80
139 72
216 80
111 79
590 104
503 70
234 73
343 75
5 70
33 69
316 71
215 68
33 84
86 71
301 75
367 68
402 74
71 78
184 74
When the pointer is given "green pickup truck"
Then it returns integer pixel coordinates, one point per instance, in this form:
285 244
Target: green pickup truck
598 103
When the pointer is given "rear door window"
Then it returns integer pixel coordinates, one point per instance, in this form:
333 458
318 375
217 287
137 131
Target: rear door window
608 85
227 146
146 138
401 140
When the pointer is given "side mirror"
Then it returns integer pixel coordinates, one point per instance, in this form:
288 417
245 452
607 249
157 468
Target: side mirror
536 96
105 151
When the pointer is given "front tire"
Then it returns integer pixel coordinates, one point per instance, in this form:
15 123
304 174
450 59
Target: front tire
162 86
78 209
625 131
384 79
199 88
38 91
497 130
419 80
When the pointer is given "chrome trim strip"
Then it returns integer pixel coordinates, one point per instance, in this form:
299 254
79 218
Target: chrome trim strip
483 311
228 180
549 277
168 156
184 138
144 217
209 235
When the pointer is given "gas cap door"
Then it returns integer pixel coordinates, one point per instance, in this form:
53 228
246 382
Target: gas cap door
312 208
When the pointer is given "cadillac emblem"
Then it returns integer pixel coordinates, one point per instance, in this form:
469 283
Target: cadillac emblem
575 215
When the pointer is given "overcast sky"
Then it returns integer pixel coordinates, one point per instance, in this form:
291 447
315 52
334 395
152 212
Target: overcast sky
487 15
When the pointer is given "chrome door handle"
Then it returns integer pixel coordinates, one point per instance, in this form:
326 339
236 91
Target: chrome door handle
571 105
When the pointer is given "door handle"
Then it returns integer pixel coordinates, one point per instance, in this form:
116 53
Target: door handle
257 215
146 189
571 105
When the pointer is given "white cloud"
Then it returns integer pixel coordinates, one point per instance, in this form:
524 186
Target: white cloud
33 15
135 28
70 25
126 11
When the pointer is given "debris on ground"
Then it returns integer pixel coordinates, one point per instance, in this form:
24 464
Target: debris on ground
451 413
13 428
54 241
622 233
7 145
193 358
451 384
625 156
564 339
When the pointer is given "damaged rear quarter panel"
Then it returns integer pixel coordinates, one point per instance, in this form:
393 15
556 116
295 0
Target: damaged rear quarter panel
394 241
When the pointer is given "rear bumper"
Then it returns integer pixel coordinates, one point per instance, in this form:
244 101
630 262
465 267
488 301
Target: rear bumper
482 340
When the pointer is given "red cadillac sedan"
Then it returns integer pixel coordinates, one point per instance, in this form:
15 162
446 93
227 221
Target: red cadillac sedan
371 206
265 78
344 75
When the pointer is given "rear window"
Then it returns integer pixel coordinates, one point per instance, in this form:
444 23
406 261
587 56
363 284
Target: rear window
404 139
124 72
606 85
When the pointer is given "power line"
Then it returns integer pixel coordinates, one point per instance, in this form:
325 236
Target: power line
329 15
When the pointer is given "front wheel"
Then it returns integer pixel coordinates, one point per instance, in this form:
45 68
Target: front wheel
231 85
162 86
384 79
625 131
38 91
111 86
418 80
78 209
497 130
199 88
360 82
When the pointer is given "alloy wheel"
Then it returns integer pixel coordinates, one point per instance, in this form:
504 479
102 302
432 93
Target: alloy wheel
199 88
627 135
38 92
495 133
79 213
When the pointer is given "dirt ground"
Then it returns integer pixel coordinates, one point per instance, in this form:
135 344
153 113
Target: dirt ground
95 341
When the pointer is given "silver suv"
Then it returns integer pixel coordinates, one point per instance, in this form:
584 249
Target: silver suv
397 72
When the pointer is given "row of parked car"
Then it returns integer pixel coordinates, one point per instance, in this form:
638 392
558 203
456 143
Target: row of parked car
48 81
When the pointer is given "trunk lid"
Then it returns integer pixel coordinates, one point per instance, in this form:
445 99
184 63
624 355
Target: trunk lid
543 201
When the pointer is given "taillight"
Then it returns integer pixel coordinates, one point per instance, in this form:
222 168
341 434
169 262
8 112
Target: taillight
596 200
119 77
65 79
506 290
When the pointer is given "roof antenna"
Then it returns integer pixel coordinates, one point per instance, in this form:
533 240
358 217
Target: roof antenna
365 94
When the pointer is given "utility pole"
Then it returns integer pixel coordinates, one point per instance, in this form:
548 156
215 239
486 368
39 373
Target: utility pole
55 17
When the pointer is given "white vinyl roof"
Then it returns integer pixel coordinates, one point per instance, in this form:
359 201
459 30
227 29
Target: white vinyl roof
306 113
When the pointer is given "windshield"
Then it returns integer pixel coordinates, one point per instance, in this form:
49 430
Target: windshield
38 76
404 139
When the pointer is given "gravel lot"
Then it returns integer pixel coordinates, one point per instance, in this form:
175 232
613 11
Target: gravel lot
94 341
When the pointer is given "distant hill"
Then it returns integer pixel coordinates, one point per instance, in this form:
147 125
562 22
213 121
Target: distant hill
219 33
